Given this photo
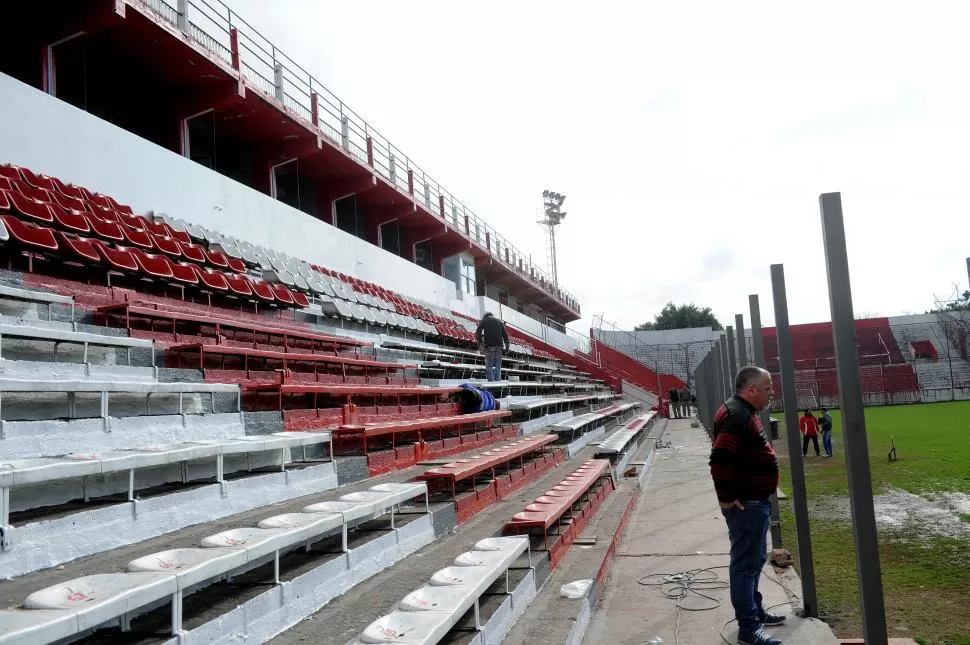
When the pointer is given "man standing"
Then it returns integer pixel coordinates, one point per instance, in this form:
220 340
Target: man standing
674 397
809 429
826 423
492 336
745 473
685 402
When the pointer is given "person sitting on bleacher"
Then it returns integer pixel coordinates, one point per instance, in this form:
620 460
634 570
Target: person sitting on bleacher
492 336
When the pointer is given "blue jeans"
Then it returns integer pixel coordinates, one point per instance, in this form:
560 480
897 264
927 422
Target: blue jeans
493 363
827 442
748 530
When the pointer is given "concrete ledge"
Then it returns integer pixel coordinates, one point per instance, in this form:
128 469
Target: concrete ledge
25 439
40 545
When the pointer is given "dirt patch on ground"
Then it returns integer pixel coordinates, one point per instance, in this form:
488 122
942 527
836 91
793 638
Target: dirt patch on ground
906 514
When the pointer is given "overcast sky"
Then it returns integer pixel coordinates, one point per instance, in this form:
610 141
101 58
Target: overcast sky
691 139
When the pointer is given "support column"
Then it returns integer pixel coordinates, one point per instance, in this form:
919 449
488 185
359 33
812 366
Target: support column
853 422
758 349
728 376
742 345
799 501
732 355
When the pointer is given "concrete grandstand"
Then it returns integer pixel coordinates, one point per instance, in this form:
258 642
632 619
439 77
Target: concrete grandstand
227 407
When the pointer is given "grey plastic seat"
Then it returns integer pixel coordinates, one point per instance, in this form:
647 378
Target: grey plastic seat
300 282
380 317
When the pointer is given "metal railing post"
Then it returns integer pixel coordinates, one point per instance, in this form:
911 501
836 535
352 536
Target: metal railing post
790 398
853 421
758 349
742 345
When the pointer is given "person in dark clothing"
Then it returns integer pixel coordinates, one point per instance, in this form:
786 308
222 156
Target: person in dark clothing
808 426
492 336
675 402
745 472
825 421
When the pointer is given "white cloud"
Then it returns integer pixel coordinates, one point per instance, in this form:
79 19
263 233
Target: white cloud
692 139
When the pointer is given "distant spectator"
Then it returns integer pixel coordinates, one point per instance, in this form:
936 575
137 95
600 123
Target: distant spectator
685 402
492 336
808 426
826 423
675 402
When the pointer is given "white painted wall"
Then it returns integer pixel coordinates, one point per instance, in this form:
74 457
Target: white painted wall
50 136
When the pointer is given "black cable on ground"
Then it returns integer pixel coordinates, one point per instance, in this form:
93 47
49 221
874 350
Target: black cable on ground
692 583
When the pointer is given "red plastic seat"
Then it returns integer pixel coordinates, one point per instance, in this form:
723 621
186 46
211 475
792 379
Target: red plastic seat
236 265
38 237
157 266
140 239
239 285
34 194
184 272
168 246
217 258
9 172
107 230
70 190
35 180
102 212
30 208
133 221
108 202
69 203
4 200
300 299
215 280
82 248
193 253
263 290
119 259
158 228
282 294
181 236
71 220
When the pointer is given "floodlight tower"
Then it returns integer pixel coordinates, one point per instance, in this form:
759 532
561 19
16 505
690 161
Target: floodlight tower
551 217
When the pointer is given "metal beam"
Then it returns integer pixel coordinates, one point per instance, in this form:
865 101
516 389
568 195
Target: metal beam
853 421
790 399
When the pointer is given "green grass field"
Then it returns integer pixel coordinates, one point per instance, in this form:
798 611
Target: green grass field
924 551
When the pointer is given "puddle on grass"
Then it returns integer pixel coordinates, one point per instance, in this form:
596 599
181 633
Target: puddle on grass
901 512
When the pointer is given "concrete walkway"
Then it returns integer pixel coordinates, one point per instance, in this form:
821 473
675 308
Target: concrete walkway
675 527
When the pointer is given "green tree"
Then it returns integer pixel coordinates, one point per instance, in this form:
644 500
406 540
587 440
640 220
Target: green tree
682 317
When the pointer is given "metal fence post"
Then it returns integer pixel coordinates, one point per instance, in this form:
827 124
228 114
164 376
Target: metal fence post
742 349
790 399
758 349
728 378
732 353
853 421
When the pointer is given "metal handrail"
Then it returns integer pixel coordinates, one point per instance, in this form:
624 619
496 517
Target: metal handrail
263 58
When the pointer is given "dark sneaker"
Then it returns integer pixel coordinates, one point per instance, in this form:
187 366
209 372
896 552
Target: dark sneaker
773 620
760 637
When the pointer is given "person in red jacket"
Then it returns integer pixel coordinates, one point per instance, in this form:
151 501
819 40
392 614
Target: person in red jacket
808 425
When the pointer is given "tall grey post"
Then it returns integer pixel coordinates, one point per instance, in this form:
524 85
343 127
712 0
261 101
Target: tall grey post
853 421
732 353
758 349
742 349
790 400
726 369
